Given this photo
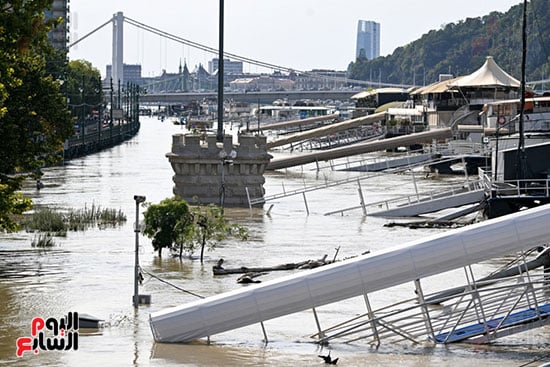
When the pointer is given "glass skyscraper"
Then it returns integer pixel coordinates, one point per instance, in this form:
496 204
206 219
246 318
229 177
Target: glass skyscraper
368 39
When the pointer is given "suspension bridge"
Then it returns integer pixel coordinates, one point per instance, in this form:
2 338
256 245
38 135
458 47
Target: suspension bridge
117 72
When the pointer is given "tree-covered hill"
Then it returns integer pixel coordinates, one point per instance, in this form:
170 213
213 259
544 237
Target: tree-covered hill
460 48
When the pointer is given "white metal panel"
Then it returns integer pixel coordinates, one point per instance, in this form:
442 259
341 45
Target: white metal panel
343 282
335 282
379 271
481 244
277 297
533 226
449 253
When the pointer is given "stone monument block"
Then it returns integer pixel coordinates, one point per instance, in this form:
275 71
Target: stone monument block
208 172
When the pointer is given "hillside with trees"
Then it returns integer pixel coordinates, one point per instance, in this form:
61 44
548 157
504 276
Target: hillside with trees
460 48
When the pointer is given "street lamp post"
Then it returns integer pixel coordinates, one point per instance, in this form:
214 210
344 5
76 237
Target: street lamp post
139 199
219 134
81 113
225 159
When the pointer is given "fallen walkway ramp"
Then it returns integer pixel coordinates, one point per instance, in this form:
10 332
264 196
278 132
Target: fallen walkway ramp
354 277
326 130
301 123
360 148
434 205
405 161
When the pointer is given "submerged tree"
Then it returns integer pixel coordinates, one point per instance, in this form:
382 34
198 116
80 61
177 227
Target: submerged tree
210 227
167 223
172 224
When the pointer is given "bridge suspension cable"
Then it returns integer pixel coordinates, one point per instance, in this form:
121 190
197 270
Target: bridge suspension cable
89 34
267 65
213 50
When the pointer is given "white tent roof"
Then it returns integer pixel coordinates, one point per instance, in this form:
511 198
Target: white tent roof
373 92
437 87
489 75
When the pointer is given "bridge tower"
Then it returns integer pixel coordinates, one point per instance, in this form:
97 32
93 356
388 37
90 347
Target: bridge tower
118 49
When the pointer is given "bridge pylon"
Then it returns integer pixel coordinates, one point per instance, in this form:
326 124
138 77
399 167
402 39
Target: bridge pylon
117 71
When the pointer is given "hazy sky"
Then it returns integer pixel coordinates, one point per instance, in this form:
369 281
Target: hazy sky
300 34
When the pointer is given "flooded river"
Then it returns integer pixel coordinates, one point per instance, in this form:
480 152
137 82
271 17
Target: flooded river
92 271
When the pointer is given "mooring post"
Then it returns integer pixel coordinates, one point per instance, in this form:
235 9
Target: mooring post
305 202
362 198
371 318
263 330
466 172
248 198
424 307
415 187
320 333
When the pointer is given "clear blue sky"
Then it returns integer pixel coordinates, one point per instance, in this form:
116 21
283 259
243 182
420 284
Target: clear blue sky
301 34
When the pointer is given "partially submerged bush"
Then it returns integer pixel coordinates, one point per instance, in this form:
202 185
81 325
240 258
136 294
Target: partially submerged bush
43 240
54 221
46 220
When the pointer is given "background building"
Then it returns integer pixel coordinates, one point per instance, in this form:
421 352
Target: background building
229 67
130 73
368 39
58 36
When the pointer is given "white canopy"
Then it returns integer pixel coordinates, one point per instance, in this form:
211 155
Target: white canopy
373 92
489 75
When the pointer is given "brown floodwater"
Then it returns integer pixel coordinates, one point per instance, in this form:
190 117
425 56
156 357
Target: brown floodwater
92 271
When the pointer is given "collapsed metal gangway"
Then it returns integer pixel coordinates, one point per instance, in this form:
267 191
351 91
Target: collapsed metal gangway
338 139
412 205
504 309
326 130
359 148
418 203
286 192
479 312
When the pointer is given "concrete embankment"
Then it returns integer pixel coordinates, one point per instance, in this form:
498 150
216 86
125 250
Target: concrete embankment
93 141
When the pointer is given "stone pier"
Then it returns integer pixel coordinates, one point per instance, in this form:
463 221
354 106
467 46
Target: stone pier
202 166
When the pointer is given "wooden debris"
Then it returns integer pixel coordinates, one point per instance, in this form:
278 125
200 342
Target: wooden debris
427 224
248 278
218 269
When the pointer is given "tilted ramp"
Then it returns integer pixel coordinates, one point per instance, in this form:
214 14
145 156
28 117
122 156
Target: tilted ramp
358 276
360 148
434 205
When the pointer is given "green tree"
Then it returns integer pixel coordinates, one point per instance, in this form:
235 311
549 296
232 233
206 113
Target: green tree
209 228
34 121
12 203
167 223
172 224
84 89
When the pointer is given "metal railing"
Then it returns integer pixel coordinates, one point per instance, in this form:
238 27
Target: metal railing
482 311
411 199
507 188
